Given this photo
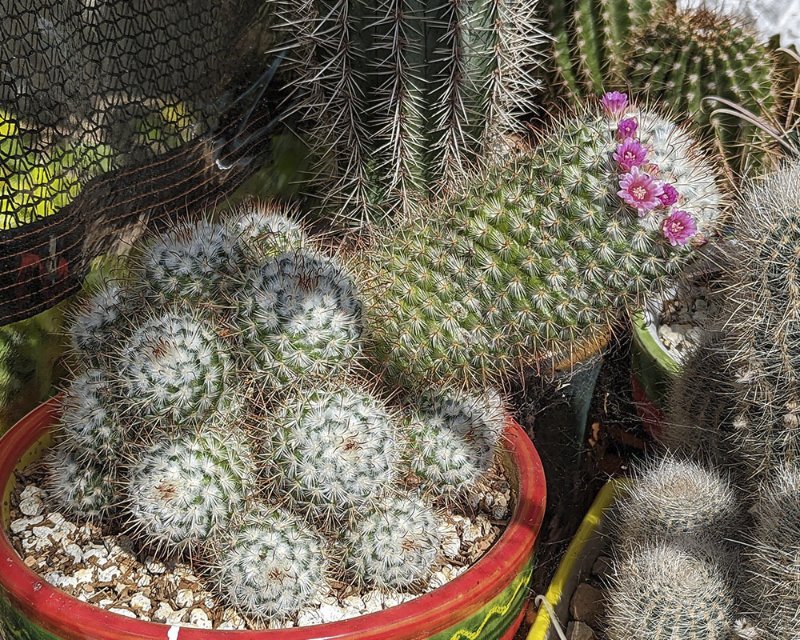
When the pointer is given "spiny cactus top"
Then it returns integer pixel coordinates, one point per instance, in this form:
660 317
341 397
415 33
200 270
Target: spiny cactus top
672 500
333 451
97 322
268 563
405 97
298 315
763 329
536 258
668 592
262 231
174 368
454 437
394 544
81 486
179 490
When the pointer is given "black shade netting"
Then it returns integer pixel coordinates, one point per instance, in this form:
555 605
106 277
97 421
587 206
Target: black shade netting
116 115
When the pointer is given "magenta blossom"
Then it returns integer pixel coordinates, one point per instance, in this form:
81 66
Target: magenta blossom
627 128
630 154
640 191
615 102
679 227
670 195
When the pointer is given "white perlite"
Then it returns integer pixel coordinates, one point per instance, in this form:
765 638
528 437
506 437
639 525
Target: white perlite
104 571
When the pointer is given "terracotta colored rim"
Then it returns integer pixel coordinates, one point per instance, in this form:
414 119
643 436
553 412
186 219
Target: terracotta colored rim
422 617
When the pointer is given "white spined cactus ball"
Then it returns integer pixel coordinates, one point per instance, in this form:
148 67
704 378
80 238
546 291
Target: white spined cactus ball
332 452
176 370
268 563
454 437
298 315
262 231
90 427
100 320
192 261
82 488
393 545
180 490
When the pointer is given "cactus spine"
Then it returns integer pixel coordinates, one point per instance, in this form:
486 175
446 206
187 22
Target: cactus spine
268 563
407 96
535 259
84 488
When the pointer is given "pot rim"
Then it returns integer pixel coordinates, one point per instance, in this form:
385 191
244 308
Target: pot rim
426 615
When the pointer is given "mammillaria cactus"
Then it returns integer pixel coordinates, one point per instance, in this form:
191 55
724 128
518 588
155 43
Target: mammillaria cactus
763 311
268 563
662 591
99 320
453 439
772 558
174 369
332 452
394 544
675 500
90 427
82 487
261 231
404 98
298 315
535 259
179 490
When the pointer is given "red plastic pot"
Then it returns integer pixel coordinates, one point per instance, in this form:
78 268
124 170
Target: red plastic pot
486 602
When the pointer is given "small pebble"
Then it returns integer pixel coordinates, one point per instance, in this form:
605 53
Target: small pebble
123 612
199 618
184 598
31 506
141 602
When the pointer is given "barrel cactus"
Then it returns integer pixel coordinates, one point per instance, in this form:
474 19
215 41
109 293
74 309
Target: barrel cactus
454 437
268 563
663 591
332 452
533 261
404 98
179 490
393 545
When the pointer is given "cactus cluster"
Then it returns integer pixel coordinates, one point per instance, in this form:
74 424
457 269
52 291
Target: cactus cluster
403 100
533 261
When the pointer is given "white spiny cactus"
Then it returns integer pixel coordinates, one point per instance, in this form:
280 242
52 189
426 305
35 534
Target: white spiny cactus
83 488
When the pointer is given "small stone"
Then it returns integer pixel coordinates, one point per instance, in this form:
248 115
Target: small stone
155 567
472 533
587 605
373 601
22 524
177 617
306 617
602 566
451 543
163 612
393 598
144 581
56 518
42 532
84 576
577 630
31 506
58 579
231 620
108 574
74 552
123 612
353 602
199 618
500 508
99 554
331 613
184 598
141 602
30 561
31 491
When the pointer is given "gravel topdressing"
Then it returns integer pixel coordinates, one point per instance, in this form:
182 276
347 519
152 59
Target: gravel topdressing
105 570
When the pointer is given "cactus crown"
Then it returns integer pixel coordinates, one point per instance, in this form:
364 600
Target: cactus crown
333 451
666 591
97 322
453 439
262 231
298 315
82 487
540 254
394 544
404 97
268 563
179 490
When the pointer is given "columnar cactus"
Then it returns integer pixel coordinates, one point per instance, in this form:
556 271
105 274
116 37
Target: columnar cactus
91 429
268 564
772 557
180 490
682 58
298 315
763 307
534 260
403 98
333 452
662 591
394 545
674 500
175 369
453 439
82 487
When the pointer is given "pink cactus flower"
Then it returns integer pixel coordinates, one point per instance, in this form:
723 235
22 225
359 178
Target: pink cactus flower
615 102
679 227
630 154
627 128
640 191
670 195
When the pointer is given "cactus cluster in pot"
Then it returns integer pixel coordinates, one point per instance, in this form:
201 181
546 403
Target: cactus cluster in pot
218 412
